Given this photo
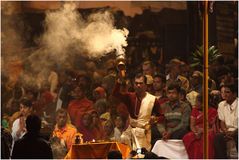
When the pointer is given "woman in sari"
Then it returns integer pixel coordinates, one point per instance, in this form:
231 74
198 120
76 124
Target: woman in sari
87 128
193 140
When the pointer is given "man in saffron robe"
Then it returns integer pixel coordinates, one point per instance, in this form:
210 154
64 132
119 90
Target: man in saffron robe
64 129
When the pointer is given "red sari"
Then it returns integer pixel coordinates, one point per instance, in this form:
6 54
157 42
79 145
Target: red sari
193 145
89 132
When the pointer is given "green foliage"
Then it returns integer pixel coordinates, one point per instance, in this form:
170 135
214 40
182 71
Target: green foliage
197 56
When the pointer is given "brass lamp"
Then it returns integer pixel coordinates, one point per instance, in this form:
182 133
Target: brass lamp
120 61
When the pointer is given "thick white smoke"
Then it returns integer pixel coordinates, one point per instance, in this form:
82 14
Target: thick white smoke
67 31
66 34
101 37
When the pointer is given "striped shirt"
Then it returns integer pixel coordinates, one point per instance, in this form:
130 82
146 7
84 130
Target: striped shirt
176 117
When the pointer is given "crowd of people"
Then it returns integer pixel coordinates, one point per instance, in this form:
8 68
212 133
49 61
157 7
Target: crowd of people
152 102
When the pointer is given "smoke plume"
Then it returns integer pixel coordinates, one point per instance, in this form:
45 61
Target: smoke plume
66 34
67 31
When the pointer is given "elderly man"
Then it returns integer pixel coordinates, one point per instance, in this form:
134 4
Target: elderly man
175 74
63 129
140 105
148 68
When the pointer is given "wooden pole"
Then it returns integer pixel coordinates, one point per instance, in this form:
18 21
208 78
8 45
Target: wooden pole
205 80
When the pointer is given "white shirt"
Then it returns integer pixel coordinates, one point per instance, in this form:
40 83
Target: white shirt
229 114
15 128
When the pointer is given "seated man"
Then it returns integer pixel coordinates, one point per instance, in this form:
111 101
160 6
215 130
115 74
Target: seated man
63 129
228 115
176 115
174 125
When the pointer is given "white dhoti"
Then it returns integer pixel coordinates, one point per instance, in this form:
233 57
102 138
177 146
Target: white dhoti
138 136
173 149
